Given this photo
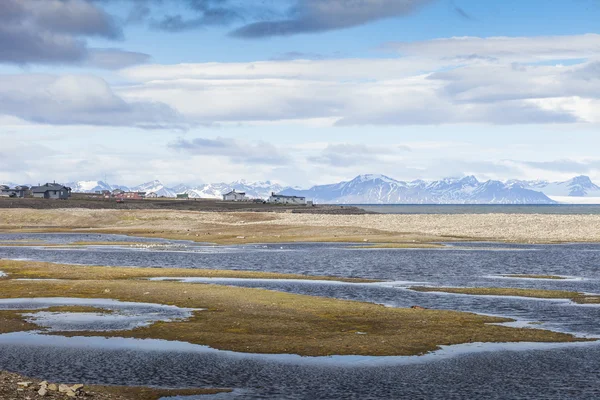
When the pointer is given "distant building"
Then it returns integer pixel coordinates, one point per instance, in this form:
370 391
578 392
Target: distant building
131 195
51 191
235 196
152 195
281 199
21 191
183 196
117 192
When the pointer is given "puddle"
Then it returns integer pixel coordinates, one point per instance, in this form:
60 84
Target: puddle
121 315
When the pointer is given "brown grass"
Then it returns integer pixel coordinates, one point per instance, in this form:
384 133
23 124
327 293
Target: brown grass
257 227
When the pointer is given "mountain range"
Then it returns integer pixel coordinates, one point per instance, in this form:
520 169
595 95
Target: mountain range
380 189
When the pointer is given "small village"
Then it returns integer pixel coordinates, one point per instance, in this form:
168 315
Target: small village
55 191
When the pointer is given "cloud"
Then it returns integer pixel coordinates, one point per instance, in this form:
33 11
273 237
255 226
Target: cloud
115 58
308 16
509 49
347 154
56 32
419 88
411 90
566 166
77 100
239 152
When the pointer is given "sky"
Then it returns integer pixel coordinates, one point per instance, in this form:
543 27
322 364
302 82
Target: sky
299 92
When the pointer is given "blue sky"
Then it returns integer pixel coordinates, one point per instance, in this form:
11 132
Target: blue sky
299 91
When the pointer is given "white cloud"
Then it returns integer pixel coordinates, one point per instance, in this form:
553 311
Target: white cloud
76 99
445 81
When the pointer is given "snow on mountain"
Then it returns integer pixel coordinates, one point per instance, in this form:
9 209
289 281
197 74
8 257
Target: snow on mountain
155 187
88 186
380 189
579 190
258 190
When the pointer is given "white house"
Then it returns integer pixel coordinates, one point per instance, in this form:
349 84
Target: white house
152 195
235 196
281 199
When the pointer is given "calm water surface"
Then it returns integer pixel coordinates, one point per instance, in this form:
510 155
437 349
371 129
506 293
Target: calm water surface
551 373
565 209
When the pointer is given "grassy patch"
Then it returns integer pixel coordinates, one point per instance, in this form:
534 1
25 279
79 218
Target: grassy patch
263 321
42 270
576 297
12 321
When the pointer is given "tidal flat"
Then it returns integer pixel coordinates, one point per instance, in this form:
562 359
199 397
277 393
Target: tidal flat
296 320
263 321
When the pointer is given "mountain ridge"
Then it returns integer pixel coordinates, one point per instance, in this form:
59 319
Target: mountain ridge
382 189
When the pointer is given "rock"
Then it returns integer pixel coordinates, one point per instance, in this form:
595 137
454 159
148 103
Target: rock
64 388
71 393
44 383
24 384
42 392
106 290
418 308
52 387
76 388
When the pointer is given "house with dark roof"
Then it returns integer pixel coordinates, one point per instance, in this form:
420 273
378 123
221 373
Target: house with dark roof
17 191
51 191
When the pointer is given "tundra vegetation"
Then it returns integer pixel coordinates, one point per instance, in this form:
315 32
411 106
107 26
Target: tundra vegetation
256 320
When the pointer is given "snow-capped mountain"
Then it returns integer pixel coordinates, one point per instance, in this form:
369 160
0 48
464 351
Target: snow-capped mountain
580 189
259 190
155 187
380 189
88 186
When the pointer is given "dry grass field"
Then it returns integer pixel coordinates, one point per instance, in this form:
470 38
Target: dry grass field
262 227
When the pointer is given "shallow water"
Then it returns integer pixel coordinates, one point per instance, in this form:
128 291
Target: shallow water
564 209
549 373
119 316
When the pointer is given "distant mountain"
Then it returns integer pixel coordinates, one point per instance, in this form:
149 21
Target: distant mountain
155 187
380 189
580 189
260 190
88 186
